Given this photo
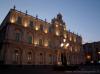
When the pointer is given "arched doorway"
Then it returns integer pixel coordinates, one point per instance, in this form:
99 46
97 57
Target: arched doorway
17 56
41 58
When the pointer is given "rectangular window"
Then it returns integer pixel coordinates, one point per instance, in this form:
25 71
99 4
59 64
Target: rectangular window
40 42
41 27
17 37
19 20
31 24
30 39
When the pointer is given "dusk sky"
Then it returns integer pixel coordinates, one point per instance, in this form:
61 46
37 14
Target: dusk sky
81 16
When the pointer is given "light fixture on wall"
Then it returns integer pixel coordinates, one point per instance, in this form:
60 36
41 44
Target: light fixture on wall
56 25
45 31
57 33
62 44
64 40
25 24
99 52
36 28
88 57
12 20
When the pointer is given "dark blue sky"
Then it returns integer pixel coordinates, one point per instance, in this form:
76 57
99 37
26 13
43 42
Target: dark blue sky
81 16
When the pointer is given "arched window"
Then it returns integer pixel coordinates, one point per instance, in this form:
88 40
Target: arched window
31 24
50 59
29 57
46 42
30 39
18 35
40 42
41 58
41 27
17 56
19 20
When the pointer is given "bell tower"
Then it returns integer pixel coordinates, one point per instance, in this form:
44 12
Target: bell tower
58 25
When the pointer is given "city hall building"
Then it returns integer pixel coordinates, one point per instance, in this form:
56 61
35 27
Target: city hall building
25 39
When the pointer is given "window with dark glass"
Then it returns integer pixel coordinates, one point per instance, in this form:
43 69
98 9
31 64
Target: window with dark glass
31 24
50 59
30 39
40 42
19 20
41 27
17 37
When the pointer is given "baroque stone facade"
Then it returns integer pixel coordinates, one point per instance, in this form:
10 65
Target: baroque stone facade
25 39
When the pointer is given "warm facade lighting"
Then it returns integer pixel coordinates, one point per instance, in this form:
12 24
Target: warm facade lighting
60 24
75 39
62 44
59 63
99 52
36 28
56 25
64 28
71 49
67 44
65 36
57 33
46 44
35 42
12 20
70 38
45 31
25 24
64 40
88 57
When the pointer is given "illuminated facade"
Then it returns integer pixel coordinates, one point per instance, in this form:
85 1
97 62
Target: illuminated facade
29 40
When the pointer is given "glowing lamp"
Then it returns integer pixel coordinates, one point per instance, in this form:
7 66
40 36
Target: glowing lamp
65 36
99 52
46 44
70 38
59 63
67 44
64 28
64 40
57 33
12 20
62 45
25 24
36 28
45 31
56 25
88 56
35 43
